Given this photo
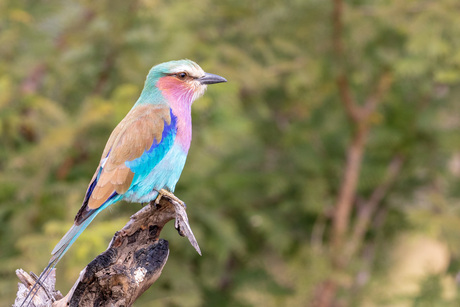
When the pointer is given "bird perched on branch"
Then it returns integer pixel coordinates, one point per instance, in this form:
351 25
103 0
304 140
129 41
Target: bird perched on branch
146 152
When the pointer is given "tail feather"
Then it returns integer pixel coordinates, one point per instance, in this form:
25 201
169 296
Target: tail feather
61 248
40 279
69 238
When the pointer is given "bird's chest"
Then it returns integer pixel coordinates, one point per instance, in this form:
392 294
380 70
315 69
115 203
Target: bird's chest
166 173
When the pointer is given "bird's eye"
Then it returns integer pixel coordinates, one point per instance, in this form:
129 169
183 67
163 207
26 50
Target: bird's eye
182 75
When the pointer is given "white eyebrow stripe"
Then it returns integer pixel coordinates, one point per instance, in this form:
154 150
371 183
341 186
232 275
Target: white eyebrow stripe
192 70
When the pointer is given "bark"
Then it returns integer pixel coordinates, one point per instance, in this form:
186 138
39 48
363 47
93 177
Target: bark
133 261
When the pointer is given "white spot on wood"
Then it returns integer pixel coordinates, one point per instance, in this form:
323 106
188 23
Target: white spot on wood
139 275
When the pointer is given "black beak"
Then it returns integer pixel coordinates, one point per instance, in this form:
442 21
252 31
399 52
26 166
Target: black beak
211 79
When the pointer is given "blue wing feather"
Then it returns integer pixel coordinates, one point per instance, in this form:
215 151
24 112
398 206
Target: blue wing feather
150 158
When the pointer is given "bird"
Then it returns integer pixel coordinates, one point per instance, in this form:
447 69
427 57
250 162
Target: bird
146 152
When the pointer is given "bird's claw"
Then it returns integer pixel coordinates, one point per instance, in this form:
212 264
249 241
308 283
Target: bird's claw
165 193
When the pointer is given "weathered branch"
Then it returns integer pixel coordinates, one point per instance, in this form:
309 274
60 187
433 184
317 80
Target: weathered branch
131 264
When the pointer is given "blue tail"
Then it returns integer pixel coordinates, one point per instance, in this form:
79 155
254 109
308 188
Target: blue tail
69 238
61 248
84 217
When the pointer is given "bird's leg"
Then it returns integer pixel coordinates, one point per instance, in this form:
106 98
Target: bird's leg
171 196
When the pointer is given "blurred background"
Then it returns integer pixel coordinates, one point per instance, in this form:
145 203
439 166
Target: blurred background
326 172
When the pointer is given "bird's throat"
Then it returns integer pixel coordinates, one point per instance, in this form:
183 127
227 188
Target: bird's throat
179 97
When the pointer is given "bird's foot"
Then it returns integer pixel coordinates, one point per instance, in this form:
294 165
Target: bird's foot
171 196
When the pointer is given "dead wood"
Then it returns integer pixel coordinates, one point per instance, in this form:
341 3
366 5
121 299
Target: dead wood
131 264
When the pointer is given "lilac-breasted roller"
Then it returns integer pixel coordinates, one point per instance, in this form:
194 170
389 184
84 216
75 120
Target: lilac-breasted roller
146 152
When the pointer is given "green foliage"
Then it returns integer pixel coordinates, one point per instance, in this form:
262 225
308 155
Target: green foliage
268 149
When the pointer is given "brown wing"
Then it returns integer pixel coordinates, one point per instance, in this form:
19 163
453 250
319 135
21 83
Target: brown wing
133 135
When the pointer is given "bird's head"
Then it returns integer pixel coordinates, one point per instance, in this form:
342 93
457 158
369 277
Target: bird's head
180 81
